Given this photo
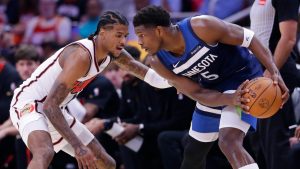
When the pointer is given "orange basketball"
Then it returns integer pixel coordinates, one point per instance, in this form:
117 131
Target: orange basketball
265 97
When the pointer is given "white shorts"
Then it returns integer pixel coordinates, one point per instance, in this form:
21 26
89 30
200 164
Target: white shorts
229 118
30 118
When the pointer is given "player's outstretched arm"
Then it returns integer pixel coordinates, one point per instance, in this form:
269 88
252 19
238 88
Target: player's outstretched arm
75 63
195 91
141 71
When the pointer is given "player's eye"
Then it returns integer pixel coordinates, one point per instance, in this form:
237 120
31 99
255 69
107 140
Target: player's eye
119 36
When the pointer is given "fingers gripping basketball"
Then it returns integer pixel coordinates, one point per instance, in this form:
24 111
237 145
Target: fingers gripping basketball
265 97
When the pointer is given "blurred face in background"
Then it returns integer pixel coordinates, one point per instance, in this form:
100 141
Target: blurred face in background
112 73
47 8
26 67
93 8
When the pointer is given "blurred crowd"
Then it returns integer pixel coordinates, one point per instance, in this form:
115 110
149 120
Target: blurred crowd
32 30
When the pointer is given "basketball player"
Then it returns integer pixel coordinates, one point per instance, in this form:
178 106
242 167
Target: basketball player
213 53
38 106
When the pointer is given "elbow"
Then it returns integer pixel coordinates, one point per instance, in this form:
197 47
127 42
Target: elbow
292 42
47 108
289 42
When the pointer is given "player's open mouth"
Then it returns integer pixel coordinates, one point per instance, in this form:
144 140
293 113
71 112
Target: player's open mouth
119 48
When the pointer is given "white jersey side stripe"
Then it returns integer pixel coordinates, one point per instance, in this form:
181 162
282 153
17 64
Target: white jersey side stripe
192 60
208 109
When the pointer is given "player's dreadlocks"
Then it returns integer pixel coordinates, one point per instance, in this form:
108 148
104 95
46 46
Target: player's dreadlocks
109 17
152 16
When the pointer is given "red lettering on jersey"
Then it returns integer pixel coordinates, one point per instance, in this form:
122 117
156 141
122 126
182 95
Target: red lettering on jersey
262 2
79 86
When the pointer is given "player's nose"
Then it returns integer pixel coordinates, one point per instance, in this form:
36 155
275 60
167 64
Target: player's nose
140 42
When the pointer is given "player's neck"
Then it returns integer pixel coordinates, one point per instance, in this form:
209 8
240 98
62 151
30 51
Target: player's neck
174 35
100 52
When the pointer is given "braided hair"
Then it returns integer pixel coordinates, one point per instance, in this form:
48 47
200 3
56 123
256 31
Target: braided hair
109 17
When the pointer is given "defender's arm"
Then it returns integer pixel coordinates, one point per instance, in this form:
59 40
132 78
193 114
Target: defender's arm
136 68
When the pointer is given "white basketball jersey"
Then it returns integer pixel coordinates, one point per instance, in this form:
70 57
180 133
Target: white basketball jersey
37 87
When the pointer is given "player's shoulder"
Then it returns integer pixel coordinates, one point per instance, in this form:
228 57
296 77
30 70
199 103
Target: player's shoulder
75 53
203 21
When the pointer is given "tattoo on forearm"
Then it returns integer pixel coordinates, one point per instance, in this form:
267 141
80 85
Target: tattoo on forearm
54 114
82 152
126 62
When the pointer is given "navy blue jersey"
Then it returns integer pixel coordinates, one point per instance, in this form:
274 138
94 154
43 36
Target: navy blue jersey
210 65
219 67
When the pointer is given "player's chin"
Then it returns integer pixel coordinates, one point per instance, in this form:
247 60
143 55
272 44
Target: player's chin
115 54
151 52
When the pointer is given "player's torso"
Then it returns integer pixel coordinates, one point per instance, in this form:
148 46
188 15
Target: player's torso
38 86
202 62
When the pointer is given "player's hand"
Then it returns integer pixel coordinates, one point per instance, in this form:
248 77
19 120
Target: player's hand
293 141
297 132
238 99
130 131
85 158
277 79
95 125
3 134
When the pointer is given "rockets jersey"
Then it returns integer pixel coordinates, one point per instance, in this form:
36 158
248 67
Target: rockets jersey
210 65
37 87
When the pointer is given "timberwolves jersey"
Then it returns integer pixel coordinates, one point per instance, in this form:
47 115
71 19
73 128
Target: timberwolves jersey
220 67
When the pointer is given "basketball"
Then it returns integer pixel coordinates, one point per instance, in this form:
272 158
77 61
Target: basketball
265 97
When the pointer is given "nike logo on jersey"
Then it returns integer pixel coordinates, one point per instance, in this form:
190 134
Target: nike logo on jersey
247 38
175 65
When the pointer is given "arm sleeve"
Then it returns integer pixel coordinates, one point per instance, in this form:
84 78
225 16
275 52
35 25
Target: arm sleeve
287 9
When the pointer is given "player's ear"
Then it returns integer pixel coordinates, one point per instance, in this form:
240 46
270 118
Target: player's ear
101 32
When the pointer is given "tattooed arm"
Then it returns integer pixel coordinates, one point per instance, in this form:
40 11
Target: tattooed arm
136 68
72 70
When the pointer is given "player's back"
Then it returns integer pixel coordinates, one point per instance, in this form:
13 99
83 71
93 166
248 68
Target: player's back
38 86
208 64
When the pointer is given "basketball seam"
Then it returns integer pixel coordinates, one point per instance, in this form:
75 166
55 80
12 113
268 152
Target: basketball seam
271 104
259 96
249 87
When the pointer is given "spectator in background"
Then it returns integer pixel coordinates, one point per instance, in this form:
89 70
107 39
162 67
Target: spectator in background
9 80
115 75
125 7
72 9
48 49
275 24
101 102
169 5
147 111
100 99
221 8
48 26
90 20
27 60
3 17
19 13
294 153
